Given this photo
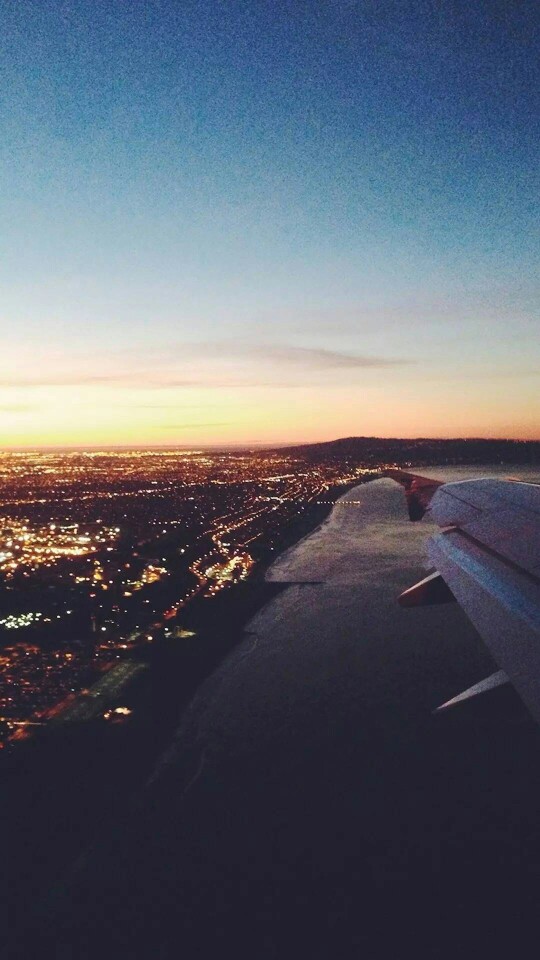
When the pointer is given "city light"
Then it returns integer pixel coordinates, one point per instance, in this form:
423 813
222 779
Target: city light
101 552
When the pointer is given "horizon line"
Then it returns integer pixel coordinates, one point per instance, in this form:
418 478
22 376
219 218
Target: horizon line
256 443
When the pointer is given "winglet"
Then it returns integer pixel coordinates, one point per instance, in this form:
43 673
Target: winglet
418 491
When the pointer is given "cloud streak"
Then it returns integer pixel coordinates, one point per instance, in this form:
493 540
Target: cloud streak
217 365
194 426
319 358
62 380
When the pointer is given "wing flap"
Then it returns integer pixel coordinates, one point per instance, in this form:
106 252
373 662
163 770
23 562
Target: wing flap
502 602
498 679
429 591
502 516
489 558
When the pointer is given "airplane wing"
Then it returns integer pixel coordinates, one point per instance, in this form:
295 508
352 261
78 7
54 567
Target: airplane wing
418 491
487 557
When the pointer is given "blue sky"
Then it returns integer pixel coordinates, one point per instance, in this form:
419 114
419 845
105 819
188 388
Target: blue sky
242 221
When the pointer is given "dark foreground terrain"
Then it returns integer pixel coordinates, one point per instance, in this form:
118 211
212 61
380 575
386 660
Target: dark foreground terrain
311 804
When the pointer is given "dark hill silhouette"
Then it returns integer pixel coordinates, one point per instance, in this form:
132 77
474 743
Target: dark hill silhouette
420 450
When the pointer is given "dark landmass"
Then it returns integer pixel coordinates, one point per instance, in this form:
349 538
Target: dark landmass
313 805
73 781
100 551
419 451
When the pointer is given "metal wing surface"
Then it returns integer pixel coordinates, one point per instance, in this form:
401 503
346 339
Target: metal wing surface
488 555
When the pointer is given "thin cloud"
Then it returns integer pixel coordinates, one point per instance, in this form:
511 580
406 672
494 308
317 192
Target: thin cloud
210 366
139 379
316 358
306 357
210 383
69 380
173 405
194 426
265 365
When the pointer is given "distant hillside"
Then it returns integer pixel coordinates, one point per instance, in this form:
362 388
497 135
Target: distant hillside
367 450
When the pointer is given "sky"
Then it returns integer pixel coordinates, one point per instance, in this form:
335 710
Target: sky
259 222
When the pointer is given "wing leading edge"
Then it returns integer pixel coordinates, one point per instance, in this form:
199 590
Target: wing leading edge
488 556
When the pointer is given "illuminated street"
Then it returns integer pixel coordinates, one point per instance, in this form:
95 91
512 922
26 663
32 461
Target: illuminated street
101 551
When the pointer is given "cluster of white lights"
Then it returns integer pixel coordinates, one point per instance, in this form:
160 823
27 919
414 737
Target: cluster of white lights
13 622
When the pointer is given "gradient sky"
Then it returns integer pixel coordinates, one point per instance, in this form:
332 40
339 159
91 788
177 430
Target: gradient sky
260 221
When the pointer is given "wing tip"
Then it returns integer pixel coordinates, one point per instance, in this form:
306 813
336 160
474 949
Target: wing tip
419 490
